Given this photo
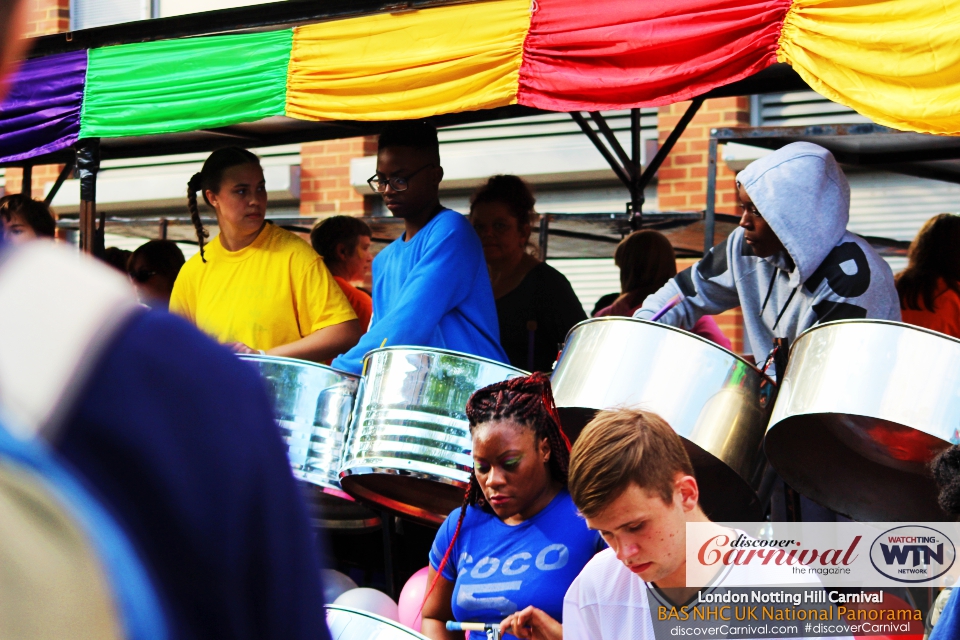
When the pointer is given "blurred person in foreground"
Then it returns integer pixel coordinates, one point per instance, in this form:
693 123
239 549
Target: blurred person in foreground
153 268
647 261
168 430
344 244
929 288
536 306
24 219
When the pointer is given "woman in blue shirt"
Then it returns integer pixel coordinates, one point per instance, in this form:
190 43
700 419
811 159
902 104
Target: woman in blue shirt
518 540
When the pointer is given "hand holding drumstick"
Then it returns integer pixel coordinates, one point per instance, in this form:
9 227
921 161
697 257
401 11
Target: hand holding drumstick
532 624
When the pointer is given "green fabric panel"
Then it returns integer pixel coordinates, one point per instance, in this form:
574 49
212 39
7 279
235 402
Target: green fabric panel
183 85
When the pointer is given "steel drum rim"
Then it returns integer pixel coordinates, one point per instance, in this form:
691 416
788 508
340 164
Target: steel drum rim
446 352
360 470
285 360
672 328
367 614
902 325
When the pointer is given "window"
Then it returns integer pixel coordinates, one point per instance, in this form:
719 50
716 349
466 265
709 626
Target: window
798 109
86 14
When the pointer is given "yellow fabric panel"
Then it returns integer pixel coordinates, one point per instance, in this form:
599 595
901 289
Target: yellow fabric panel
895 61
409 65
271 293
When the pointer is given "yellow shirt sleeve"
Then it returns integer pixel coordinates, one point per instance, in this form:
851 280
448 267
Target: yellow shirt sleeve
183 299
318 298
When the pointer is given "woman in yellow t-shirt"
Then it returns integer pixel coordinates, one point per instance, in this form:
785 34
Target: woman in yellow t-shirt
256 287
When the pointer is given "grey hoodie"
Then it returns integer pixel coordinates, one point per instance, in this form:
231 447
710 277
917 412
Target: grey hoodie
829 274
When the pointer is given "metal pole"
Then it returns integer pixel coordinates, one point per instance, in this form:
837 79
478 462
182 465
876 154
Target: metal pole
544 235
636 193
710 215
387 519
64 174
164 223
88 163
26 186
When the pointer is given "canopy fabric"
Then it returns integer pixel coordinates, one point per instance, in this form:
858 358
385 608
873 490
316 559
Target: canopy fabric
895 61
409 65
41 114
183 85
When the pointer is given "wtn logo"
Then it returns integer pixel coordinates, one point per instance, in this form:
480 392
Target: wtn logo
912 554
922 553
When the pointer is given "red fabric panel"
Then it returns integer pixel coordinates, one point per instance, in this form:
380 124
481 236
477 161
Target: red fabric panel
590 55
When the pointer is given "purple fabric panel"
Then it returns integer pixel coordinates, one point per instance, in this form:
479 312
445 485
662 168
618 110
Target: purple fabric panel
41 114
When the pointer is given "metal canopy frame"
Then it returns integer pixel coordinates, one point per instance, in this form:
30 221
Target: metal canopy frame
864 145
280 130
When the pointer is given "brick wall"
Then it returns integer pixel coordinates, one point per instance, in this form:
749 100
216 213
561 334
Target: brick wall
325 188
44 17
682 179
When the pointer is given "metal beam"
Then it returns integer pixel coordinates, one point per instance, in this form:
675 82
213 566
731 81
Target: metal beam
664 151
544 235
709 217
26 183
602 148
607 132
64 174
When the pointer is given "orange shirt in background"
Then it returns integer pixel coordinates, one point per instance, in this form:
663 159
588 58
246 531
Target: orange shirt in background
361 302
945 316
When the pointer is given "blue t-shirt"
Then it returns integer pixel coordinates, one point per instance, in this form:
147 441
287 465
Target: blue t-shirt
433 291
948 625
499 569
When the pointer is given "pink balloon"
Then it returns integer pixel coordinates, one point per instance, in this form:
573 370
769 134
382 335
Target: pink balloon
411 599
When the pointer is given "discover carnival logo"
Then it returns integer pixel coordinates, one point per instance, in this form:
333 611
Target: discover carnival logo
912 553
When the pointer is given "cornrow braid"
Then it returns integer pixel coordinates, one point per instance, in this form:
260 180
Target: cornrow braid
528 400
194 185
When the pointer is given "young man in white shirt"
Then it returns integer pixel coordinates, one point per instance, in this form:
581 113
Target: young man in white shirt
631 478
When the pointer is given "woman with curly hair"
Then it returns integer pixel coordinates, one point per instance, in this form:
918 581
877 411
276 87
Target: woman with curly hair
517 542
929 288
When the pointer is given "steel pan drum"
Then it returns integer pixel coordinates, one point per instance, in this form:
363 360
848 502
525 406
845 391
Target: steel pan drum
715 400
409 448
864 406
313 405
353 624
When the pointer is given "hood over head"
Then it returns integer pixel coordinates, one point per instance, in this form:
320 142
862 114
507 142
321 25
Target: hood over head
803 195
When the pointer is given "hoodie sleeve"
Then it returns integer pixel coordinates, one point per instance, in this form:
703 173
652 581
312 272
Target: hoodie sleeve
709 287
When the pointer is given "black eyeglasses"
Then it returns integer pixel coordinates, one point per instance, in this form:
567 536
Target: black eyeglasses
398 183
142 275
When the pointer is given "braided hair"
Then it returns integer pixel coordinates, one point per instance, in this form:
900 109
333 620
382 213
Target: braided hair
946 473
529 401
209 178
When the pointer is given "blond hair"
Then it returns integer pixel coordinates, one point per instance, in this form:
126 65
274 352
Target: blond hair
621 447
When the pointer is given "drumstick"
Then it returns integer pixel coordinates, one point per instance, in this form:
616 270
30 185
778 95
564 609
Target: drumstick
671 303
364 372
453 625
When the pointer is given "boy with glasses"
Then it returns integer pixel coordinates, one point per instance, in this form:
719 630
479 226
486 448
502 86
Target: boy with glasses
792 263
430 286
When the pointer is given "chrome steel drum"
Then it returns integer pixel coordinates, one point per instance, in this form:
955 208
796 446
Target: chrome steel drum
717 402
353 624
409 448
313 405
864 406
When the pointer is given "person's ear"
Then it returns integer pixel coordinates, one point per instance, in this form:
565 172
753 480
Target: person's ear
438 174
545 450
341 252
211 197
687 491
